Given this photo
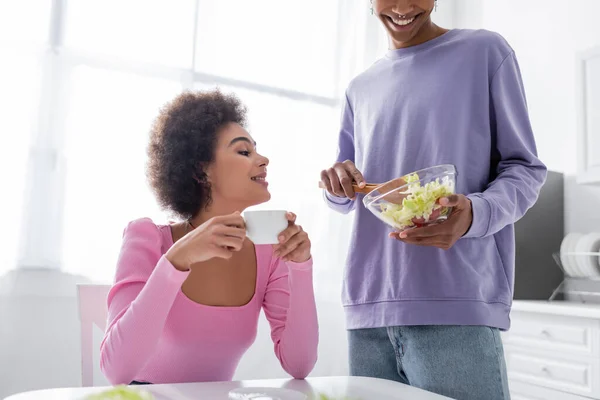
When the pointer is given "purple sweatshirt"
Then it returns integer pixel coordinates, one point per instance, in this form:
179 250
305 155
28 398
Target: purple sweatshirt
457 99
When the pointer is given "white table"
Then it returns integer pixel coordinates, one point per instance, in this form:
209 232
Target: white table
356 388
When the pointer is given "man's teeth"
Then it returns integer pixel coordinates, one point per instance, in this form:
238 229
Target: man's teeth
258 178
403 22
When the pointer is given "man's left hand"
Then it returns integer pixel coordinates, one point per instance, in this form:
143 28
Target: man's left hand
445 234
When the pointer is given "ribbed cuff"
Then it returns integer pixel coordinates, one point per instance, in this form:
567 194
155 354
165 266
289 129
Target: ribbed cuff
303 266
169 273
481 216
341 201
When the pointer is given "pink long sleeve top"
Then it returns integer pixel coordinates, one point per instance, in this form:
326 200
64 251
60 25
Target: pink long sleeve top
156 334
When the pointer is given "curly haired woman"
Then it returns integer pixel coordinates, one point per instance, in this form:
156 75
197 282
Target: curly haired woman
187 296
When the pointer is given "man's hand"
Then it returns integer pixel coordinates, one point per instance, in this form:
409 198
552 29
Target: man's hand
338 179
445 234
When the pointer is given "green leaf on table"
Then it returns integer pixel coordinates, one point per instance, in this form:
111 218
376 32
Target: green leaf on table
121 393
323 396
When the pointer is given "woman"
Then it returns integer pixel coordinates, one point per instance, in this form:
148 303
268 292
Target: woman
425 307
187 296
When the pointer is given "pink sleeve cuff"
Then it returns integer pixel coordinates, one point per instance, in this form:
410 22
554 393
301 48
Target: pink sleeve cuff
169 274
303 266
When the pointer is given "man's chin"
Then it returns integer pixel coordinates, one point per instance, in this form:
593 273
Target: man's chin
402 37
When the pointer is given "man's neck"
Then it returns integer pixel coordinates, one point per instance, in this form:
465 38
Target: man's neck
428 32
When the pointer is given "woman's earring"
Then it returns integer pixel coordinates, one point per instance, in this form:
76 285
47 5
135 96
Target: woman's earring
371 7
435 5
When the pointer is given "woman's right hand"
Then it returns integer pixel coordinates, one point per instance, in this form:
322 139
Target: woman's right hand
339 178
218 237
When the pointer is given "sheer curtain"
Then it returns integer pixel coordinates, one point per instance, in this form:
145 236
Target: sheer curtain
22 35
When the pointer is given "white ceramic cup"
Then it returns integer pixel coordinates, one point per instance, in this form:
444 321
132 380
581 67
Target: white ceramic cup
264 226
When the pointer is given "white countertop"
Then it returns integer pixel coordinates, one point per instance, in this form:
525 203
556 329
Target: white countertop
356 388
558 307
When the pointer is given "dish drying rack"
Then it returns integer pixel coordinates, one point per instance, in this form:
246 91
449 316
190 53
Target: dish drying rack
585 287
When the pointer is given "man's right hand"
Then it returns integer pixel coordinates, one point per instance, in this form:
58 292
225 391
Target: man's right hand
339 178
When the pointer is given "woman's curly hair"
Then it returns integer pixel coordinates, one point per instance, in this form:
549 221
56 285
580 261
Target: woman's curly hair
182 143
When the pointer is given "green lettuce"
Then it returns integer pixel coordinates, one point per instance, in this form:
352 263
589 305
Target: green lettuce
121 393
420 202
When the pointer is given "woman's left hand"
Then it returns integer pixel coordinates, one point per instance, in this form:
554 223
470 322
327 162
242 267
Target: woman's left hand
294 244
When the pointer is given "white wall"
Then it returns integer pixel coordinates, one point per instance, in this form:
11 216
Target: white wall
445 15
546 36
39 331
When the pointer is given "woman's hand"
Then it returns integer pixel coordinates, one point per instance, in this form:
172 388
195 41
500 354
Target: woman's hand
294 244
218 237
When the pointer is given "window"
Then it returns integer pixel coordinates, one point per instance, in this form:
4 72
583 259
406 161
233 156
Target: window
107 127
84 79
160 32
288 45
20 26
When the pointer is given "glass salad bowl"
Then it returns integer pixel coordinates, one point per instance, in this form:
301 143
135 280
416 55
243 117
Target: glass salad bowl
411 201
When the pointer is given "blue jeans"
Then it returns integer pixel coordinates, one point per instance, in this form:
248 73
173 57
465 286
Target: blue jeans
460 362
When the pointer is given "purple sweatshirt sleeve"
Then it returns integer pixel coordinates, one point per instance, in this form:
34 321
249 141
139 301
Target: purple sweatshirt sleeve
345 152
520 174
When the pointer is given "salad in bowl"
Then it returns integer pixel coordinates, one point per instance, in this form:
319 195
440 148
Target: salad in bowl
413 199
